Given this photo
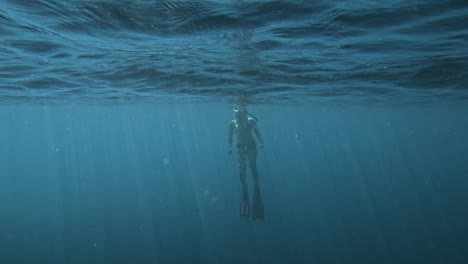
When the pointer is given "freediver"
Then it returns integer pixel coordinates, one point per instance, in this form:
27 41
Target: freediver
243 125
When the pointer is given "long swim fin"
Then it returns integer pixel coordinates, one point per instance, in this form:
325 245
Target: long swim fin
245 204
257 204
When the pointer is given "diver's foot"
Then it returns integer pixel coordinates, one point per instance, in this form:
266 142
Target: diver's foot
245 209
245 205
257 204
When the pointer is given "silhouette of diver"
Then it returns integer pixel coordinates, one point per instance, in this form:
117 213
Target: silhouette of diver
243 126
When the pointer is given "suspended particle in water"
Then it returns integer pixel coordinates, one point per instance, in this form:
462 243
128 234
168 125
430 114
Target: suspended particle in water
55 149
206 192
165 161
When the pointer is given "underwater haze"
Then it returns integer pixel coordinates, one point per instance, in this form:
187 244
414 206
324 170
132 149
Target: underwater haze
115 116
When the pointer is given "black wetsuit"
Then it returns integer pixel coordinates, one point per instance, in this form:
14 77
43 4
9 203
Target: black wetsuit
246 147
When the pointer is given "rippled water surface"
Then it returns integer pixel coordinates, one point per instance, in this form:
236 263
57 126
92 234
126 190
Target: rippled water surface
273 51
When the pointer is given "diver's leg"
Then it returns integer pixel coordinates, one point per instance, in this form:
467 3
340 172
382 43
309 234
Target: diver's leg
253 163
257 204
242 166
245 206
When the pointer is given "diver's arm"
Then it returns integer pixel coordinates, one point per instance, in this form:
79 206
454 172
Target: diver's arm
231 132
257 133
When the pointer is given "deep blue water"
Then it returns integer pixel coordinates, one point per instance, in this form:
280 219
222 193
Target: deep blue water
154 184
114 124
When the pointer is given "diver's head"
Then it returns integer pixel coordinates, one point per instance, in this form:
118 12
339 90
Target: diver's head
241 112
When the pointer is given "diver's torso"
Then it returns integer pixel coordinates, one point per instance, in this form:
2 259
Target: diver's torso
244 132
